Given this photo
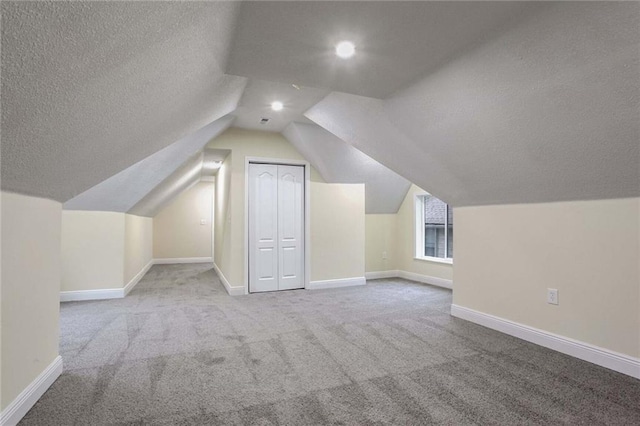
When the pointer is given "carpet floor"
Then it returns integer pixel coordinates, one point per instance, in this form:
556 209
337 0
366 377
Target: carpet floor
179 351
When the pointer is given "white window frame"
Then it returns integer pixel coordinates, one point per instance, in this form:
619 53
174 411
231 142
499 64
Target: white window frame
418 232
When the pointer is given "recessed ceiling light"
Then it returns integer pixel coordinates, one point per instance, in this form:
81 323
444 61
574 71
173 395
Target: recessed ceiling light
345 49
276 105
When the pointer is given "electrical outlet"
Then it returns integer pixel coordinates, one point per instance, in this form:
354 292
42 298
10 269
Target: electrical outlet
203 221
384 255
552 296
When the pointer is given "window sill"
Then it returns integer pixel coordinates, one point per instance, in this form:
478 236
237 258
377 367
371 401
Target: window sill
435 260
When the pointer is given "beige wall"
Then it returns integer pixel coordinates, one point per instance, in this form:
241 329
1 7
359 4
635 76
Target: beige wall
138 245
337 231
395 234
92 250
230 205
390 233
230 240
507 256
381 237
30 290
177 232
222 216
103 250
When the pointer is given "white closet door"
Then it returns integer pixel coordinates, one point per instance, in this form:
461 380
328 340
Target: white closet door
263 227
276 227
290 227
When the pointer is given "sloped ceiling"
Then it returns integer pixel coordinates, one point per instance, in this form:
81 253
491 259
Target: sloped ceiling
123 190
338 162
363 123
179 181
547 111
201 166
476 102
90 88
256 100
396 42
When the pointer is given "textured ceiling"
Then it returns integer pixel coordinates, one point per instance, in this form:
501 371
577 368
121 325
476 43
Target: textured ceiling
339 162
396 42
256 104
90 88
123 190
363 123
476 102
179 181
547 111
192 171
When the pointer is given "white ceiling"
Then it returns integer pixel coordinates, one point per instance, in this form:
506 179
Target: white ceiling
363 123
197 168
90 88
477 102
256 104
339 162
125 189
548 111
396 42
179 181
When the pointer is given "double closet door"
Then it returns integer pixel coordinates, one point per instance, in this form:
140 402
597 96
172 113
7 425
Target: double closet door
276 227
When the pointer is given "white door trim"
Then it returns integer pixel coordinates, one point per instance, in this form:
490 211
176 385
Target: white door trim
307 210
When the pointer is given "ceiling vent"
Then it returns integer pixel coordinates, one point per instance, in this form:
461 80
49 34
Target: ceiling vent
264 120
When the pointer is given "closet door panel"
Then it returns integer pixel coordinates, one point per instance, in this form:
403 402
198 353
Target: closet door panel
290 227
263 227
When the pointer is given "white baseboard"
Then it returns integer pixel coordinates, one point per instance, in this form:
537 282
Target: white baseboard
105 293
426 279
174 260
101 294
603 357
341 282
381 274
118 293
233 291
137 278
17 409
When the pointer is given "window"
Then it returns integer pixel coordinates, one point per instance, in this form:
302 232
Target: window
434 228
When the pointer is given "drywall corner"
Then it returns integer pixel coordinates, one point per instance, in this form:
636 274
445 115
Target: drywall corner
31 273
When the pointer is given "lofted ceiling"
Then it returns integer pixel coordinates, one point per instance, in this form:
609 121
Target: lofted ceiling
338 162
363 123
107 105
122 191
181 180
256 100
90 88
198 167
397 42
547 111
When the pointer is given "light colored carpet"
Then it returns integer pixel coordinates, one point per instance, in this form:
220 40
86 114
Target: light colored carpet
179 351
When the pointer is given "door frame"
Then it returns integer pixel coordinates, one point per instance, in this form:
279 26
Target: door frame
307 209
